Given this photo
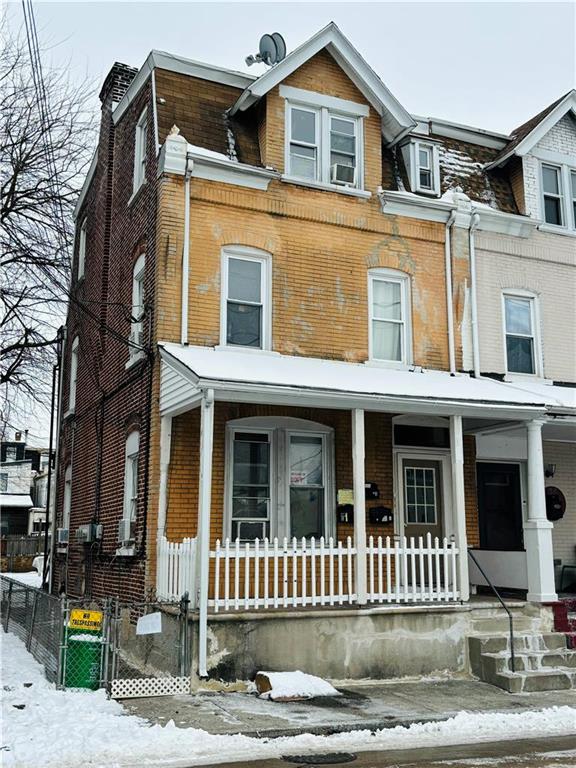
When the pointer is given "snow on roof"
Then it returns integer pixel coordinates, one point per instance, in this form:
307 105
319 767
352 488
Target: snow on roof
556 397
22 501
306 373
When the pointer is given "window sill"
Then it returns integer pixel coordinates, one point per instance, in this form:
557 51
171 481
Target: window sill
136 193
523 377
134 359
126 551
427 192
351 191
250 350
555 230
69 412
389 364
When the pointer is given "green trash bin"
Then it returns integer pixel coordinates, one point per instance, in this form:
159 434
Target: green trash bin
83 660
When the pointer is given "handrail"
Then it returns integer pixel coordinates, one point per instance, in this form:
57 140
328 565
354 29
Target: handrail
510 619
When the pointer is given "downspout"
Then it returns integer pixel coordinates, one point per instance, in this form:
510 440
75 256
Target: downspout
449 298
62 336
186 251
474 222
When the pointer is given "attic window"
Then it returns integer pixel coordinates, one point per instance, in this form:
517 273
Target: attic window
423 166
324 140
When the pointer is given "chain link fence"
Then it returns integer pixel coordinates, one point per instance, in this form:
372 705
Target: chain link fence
131 649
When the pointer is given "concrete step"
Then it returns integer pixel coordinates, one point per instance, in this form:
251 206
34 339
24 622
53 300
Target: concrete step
543 661
529 682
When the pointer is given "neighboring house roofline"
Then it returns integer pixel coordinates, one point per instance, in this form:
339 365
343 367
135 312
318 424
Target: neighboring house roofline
527 135
172 63
468 133
396 121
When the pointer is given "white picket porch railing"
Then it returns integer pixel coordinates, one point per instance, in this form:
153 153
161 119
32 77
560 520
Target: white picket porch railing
282 574
412 570
175 569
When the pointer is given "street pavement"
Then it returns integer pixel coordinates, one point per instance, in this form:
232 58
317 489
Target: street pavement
556 752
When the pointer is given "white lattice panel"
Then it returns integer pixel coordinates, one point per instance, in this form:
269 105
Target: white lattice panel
137 687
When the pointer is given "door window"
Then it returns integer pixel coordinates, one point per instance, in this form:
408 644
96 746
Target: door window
420 494
306 468
251 486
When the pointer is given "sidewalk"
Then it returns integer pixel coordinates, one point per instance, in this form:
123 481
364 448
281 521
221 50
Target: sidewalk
362 706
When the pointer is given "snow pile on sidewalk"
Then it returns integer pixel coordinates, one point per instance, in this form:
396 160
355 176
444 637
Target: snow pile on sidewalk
288 686
43 727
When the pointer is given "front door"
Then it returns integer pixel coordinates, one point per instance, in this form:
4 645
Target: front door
422 497
500 506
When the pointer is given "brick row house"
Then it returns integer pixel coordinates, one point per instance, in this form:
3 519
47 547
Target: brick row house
285 352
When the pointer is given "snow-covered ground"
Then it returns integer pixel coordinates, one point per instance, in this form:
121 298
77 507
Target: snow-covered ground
31 578
69 729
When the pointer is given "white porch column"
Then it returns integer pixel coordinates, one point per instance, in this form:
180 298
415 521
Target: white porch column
165 447
359 484
537 528
459 503
204 499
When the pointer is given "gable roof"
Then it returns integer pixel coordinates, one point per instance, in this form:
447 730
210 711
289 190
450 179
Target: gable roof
529 133
396 121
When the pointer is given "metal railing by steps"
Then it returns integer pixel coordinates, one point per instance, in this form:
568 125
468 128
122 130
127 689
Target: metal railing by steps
503 604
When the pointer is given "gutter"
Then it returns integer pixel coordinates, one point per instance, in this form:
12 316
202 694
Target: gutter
186 251
449 297
474 223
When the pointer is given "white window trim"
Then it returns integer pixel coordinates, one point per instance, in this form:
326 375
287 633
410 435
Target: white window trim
132 450
536 334
324 113
568 226
67 498
265 259
73 378
280 429
136 326
414 169
81 266
392 275
140 150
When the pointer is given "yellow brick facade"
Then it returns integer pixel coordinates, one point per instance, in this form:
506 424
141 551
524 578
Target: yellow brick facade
322 246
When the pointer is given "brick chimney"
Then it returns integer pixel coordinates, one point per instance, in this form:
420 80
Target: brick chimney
116 83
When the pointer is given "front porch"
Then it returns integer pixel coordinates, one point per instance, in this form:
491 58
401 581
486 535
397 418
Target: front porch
355 488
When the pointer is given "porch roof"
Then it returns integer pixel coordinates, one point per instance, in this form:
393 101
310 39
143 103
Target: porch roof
250 376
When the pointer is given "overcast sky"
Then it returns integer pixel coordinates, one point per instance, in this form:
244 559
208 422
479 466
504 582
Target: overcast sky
488 64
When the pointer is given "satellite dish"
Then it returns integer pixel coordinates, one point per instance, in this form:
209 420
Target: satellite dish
271 50
267 50
280 46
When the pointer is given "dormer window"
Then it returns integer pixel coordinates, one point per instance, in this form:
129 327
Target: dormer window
558 197
423 166
552 193
324 139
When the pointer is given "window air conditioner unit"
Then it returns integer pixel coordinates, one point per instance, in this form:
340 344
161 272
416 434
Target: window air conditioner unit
343 174
125 531
62 536
136 336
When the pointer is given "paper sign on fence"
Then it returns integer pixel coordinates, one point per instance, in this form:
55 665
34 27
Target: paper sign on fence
149 624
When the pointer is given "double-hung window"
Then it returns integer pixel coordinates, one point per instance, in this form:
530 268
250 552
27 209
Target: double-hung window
521 334
389 330
425 168
131 476
552 195
73 375
304 142
251 480
81 249
140 142
245 314
573 196
324 139
137 305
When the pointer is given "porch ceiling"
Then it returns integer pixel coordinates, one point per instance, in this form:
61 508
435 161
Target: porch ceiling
246 376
